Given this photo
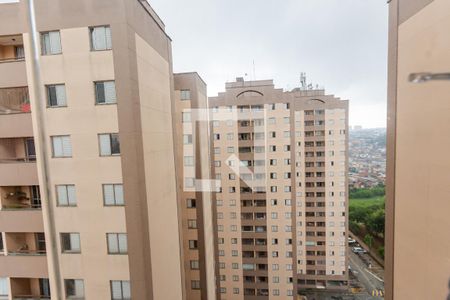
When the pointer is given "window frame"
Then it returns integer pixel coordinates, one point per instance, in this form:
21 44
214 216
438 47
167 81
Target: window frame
53 145
117 240
42 44
110 144
63 251
47 87
91 38
96 93
121 289
58 203
114 191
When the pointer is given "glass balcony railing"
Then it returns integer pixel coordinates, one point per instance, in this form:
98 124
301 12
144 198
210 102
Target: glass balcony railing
14 100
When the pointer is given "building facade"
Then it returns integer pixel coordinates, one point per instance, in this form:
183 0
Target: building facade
418 172
113 230
281 158
193 166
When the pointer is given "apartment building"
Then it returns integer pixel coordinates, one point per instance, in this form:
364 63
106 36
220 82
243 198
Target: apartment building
281 157
193 166
107 82
418 170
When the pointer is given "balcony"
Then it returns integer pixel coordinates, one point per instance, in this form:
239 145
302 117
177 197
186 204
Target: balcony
12 60
14 100
17 161
30 288
20 209
24 255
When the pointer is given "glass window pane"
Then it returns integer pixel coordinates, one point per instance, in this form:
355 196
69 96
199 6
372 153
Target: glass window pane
126 290
118 192
45 43
115 144
67 146
55 42
60 91
100 92
57 147
110 91
79 288
108 38
108 194
113 246
116 290
62 195
75 242
123 246
99 38
4 287
52 100
105 144
71 195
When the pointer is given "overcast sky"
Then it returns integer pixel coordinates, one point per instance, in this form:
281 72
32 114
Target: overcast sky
340 44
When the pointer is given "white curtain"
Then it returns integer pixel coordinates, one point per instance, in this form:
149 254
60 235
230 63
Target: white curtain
62 195
108 194
60 90
118 192
55 42
71 195
66 146
110 91
105 144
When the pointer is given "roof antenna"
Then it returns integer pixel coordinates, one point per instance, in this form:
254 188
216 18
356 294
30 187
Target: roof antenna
254 71
303 81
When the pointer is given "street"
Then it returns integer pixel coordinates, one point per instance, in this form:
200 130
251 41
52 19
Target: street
373 284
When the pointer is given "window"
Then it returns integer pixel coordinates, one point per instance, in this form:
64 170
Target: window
51 43
56 95
113 195
192 224
105 92
74 288
101 38
4 290
185 95
62 146
66 195
194 265
120 290
186 117
187 139
188 160
193 244
195 284
70 243
109 144
190 203
117 243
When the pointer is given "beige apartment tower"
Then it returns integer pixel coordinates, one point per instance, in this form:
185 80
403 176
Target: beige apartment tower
281 158
418 167
193 166
107 82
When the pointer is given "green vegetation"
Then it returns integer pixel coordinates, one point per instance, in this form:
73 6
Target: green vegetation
366 216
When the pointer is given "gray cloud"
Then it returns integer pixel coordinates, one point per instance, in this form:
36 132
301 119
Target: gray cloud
340 44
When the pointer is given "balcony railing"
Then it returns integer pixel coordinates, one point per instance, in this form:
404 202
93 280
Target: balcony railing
17 160
30 297
14 100
21 252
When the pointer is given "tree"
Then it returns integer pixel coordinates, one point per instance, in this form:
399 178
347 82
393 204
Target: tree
381 251
375 222
368 239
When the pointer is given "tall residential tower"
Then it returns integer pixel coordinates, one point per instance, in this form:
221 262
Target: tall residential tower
282 206
107 82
